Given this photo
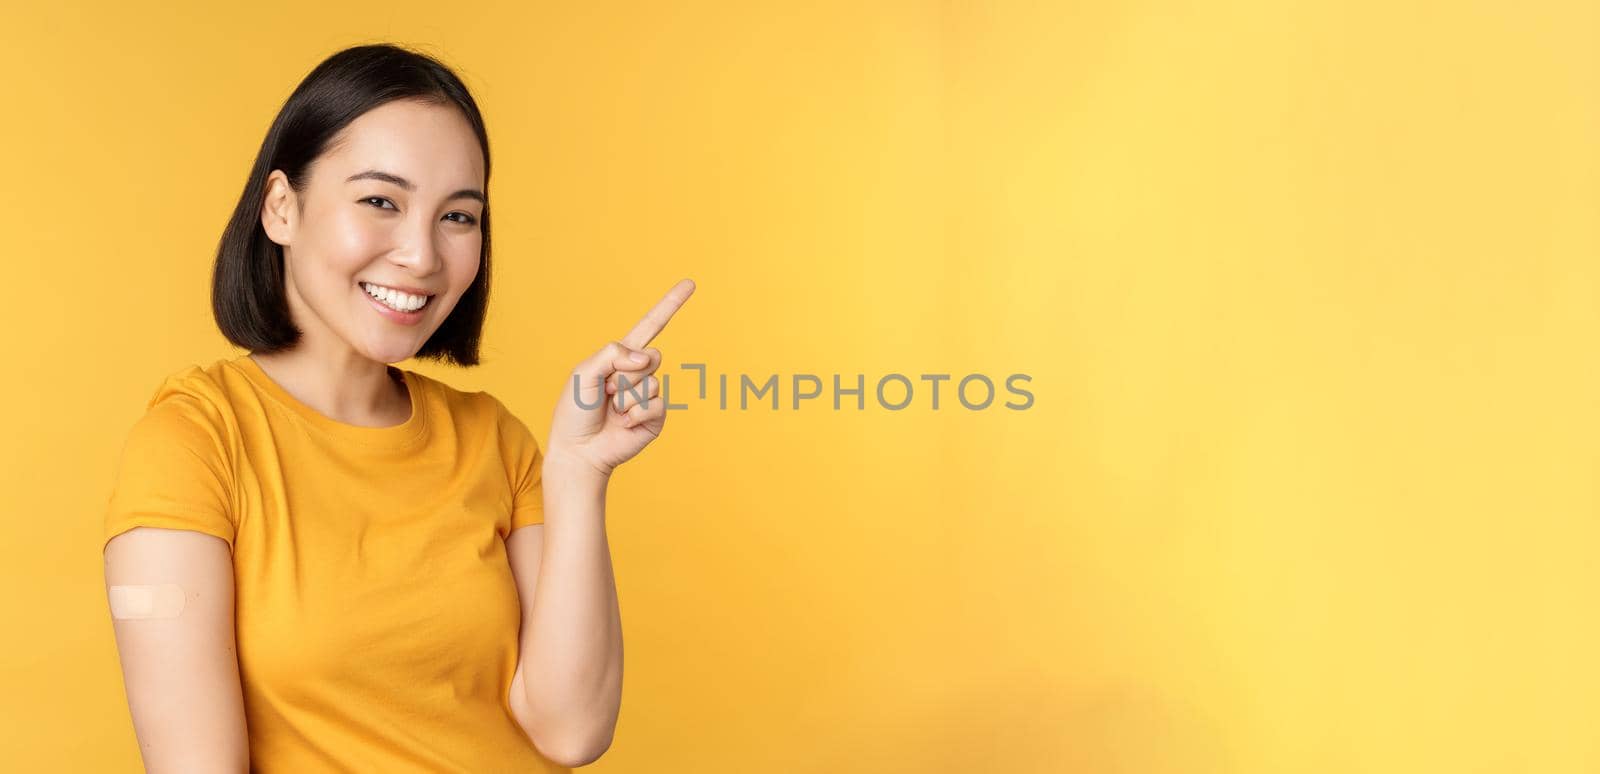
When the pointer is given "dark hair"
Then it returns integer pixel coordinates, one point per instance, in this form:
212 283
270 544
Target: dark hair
247 291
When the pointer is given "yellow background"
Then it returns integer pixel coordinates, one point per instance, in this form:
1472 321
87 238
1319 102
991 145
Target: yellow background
1307 292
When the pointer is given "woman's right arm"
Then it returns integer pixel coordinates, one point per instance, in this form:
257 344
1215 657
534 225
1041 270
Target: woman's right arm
171 598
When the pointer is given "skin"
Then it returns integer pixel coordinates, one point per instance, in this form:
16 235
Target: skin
568 683
342 232
566 692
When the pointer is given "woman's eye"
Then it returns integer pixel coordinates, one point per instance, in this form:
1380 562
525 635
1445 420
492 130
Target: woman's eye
466 220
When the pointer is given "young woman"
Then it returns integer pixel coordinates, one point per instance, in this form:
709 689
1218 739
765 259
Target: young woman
317 561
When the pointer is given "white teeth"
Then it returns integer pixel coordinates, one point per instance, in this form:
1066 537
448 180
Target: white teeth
394 299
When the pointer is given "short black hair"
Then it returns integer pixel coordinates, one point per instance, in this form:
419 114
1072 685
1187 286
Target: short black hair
247 292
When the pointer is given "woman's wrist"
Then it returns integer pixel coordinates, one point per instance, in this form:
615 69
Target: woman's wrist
564 468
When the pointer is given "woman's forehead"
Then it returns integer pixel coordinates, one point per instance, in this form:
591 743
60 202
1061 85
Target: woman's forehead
430 146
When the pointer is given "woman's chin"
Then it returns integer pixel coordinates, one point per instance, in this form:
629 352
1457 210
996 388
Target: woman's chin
389 347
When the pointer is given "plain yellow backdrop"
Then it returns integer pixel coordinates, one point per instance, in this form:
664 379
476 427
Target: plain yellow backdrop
1307 291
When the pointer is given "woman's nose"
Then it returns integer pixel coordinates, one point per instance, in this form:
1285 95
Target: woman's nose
420 252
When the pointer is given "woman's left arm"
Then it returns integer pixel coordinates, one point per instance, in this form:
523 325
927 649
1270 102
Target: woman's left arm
567 690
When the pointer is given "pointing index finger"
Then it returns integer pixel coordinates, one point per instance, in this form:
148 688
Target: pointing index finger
657 317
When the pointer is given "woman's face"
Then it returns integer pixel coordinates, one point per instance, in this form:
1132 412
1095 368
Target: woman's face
394 203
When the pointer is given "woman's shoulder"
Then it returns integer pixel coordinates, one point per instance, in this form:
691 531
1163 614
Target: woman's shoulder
201 388
187 416
464 404
192 405
494 417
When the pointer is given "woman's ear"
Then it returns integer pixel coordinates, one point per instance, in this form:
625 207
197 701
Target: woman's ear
279 208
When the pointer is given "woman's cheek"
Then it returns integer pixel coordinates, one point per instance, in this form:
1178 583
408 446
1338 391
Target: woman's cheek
351 238
366 240
465 265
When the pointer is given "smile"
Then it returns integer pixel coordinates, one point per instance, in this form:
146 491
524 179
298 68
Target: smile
395 299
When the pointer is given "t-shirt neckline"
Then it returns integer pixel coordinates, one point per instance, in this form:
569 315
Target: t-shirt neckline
393 436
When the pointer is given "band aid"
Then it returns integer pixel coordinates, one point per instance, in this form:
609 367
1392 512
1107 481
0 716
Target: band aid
131 602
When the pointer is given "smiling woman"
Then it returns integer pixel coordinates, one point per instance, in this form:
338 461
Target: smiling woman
316 560
402 245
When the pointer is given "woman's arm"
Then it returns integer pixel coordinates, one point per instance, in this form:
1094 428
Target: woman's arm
171 598
567 689
567 692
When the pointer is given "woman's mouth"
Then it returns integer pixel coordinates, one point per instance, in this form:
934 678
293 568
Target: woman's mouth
399 306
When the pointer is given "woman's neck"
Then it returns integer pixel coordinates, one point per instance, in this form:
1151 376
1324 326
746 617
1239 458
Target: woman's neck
356 391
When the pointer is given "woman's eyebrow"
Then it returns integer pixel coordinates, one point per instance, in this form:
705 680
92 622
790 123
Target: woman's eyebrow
373 174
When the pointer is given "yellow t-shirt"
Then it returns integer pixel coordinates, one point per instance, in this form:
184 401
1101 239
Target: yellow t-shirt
376 614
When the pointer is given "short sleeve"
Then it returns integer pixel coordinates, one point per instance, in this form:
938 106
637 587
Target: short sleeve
526 463
174 473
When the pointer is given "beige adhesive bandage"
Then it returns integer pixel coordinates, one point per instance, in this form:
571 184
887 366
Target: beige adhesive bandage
163 601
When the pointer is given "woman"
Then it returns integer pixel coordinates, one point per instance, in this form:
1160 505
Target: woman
410 581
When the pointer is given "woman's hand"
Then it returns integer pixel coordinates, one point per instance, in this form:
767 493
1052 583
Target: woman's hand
610 407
